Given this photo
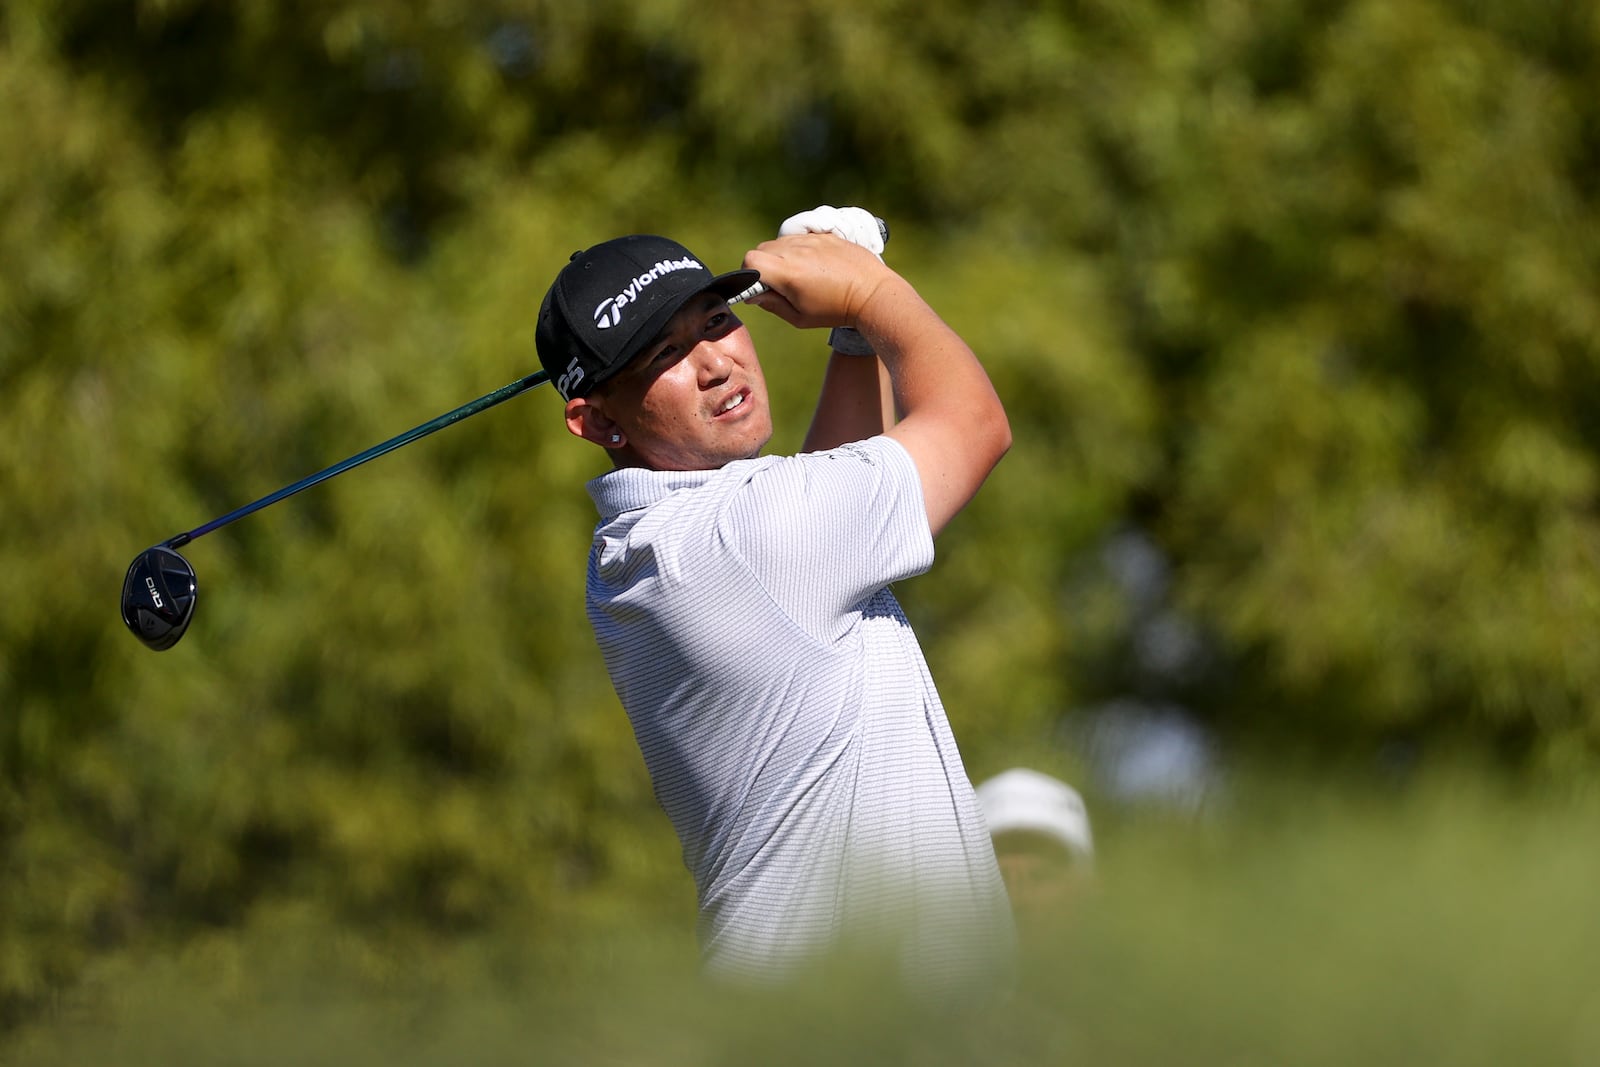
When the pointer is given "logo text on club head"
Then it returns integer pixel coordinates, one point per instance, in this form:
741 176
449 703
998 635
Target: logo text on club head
150 584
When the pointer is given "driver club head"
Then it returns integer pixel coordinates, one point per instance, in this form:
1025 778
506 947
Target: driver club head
158 597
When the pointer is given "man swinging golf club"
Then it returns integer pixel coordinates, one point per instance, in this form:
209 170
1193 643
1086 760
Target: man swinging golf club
788 720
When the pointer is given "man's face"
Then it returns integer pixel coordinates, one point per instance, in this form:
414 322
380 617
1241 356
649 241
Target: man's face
695 397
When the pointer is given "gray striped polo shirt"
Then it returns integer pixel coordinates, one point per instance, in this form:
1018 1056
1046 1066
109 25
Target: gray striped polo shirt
786 714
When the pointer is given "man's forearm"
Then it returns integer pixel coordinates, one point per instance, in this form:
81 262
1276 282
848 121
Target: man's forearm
856 403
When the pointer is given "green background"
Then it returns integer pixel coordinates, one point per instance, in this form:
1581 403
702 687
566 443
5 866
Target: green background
1295 305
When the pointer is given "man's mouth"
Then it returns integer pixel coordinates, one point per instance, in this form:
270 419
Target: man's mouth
732 402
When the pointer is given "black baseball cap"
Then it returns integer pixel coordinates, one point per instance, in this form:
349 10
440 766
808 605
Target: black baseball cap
611 300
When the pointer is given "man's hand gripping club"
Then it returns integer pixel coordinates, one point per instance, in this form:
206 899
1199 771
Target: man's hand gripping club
951 420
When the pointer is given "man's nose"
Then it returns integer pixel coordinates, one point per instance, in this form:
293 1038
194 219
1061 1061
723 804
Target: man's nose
714 362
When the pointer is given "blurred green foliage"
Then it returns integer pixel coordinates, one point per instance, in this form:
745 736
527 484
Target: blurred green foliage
1319 926
1305 295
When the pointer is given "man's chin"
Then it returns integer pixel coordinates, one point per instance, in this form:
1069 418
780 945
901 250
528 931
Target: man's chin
761 443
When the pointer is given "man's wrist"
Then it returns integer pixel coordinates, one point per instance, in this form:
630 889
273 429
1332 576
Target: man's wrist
848 342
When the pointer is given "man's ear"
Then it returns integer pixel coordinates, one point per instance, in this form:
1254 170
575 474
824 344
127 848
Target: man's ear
588 420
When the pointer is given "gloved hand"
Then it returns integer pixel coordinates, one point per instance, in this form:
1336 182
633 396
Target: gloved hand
856 225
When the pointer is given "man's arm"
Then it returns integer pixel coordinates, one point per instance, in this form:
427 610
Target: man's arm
857 402
953 423
951 420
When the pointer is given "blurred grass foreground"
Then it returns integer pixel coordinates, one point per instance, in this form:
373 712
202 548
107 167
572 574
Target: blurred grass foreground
1293 925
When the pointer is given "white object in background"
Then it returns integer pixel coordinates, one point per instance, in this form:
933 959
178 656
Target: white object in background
1028 801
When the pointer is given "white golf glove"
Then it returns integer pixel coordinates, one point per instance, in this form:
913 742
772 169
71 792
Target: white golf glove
856 225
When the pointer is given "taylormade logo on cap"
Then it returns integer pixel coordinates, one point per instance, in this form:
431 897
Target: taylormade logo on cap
608 312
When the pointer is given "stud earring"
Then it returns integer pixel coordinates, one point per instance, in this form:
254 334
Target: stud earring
616 438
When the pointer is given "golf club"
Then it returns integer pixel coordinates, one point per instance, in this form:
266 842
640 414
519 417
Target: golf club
160 589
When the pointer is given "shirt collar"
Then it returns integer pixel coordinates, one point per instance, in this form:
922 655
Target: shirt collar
630 488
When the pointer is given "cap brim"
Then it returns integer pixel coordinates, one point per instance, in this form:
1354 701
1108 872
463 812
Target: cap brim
734 282
726 285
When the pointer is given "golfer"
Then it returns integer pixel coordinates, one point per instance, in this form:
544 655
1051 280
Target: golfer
788 720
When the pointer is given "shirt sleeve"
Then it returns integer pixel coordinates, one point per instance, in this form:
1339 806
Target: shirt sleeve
824 531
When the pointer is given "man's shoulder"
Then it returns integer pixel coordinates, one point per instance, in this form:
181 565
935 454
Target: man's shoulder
617 493
632 489
874 451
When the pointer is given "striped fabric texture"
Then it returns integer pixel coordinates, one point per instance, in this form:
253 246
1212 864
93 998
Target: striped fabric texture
786 715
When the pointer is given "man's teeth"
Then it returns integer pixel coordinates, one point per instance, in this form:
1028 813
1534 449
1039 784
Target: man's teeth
733 402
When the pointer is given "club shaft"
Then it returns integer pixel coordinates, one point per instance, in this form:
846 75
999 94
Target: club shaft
488 400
